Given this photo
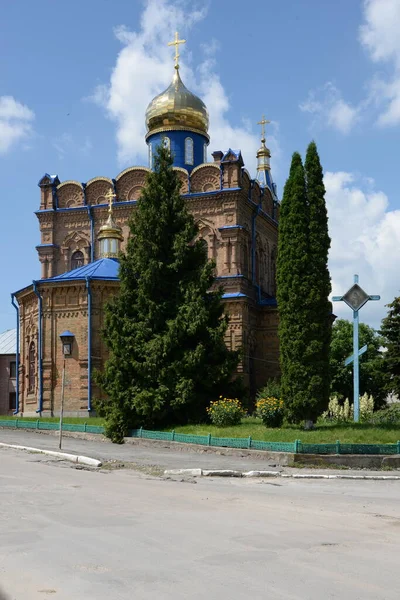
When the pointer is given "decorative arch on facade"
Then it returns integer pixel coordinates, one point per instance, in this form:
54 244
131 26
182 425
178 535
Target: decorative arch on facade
129 183
266 279
205 178
256 192
183 178
97 190
209 236
75 242
70 194
245 182
268 202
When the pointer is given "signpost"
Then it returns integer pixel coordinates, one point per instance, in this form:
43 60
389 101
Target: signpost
355 298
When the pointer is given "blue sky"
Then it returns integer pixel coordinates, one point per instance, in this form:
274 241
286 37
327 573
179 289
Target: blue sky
75 79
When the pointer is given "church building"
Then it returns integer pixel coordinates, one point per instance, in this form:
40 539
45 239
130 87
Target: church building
83 227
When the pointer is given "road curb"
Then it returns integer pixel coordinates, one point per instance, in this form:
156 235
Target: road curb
264 474
80 460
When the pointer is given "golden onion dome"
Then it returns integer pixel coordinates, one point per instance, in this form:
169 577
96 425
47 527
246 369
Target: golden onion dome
177 109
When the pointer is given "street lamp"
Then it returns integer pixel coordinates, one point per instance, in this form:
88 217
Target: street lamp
67 340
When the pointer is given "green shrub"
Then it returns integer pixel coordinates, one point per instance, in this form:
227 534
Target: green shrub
271 411
225 412
272 389
387 416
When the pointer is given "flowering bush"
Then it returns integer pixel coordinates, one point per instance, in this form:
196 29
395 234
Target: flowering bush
271 411
225 412
344 413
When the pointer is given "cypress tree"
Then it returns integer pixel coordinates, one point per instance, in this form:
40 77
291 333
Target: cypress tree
164 330
319 286
292 291
303 284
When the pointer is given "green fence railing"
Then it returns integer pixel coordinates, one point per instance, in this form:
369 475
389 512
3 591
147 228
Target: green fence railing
296 447
46 426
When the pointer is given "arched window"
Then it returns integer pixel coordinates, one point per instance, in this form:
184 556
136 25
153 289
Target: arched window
189 151
204 245
77 260
204 153
32 368
150 156
167 143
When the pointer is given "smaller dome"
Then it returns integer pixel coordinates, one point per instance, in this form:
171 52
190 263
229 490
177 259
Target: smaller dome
176 108
110 230
110 236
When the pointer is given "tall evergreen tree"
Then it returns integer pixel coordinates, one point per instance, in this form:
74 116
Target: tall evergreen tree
390 330
319 283
303 289
165 329
292 291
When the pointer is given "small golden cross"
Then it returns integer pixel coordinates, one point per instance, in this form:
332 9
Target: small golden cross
176 43
263 123
110 197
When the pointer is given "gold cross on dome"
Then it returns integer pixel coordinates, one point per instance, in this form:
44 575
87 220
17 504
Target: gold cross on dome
263 123
176 43
110 197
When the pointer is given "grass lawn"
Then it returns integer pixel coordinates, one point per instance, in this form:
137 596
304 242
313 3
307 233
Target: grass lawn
72 420
323 433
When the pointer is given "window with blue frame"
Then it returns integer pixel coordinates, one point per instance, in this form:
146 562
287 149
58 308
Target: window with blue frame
204 153
189 158
150 156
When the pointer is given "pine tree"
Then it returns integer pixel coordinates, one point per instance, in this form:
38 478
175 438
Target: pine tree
319 285
164 330
292 292
390 330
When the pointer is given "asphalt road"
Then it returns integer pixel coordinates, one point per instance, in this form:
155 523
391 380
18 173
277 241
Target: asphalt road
150 453
78 534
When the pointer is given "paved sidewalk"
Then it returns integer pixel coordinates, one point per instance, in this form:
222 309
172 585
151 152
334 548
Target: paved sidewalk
158 454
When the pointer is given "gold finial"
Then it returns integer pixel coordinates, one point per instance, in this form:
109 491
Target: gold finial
176 43
110 197
263 123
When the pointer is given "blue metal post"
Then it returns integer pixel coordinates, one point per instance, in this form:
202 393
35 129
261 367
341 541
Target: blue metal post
356 373
90 214
40 350
16 411
356 363
89 300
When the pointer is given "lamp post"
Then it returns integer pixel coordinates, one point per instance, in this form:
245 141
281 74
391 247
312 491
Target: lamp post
67 339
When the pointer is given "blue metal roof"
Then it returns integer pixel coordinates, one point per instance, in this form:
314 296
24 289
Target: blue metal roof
104 268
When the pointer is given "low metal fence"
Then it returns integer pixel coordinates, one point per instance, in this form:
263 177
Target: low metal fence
296 447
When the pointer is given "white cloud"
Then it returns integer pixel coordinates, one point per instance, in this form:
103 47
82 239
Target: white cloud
379 34
365 240
328 108
144 68
15 122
